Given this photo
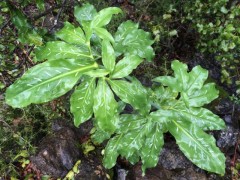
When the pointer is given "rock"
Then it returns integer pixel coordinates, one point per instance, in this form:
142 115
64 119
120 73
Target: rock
58 152
225 107
91 168
161 173
156 173
121 174
227 138
172 165
172 158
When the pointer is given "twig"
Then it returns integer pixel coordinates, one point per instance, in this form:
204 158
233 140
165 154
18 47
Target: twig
58 15
34 18
28 53
145 10
235 152
4 122
4 25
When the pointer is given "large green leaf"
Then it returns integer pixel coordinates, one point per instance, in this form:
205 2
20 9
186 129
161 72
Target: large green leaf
61 50
126 145
170 106
131 40
181 75
47 81
105 107
198 146
104 16
163 116
125 66
184 81
201 117
180 81
108 55
137 136
132 94
84 13
111 151
190 85
82 101
71 35
130 122
152 147
132 142
203 96
197 77
162 97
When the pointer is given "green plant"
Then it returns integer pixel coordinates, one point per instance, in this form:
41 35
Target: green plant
26 33
217 23
74 59
97 65
178 103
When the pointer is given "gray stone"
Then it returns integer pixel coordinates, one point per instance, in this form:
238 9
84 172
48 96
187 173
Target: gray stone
58 152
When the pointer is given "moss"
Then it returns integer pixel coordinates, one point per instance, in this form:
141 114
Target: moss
20 132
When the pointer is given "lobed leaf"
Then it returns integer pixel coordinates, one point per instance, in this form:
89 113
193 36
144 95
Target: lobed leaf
82 101
197 77
203 96
161 97
105 107
47 81
19 19
191 85
126 145
132 142
111 151
201 117
169 81
152 147
162 116
181 75
40 5
130 122
198 146
131 40
30 37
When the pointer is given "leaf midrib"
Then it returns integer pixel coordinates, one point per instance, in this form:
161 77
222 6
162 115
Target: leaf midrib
191 137
74 53
59 77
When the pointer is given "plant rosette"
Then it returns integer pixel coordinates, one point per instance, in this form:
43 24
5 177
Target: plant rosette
97 66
